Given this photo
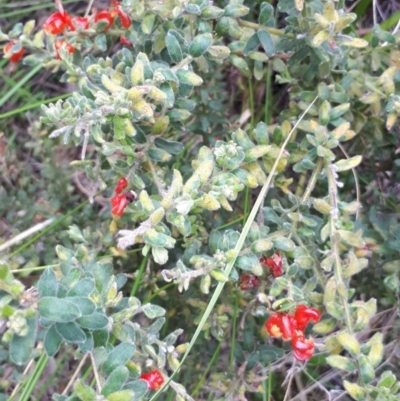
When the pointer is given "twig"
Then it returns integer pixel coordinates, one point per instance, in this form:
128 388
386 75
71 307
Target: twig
73 377
25 234
96 373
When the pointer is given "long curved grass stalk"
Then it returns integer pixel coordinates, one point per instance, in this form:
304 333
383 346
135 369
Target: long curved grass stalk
237 249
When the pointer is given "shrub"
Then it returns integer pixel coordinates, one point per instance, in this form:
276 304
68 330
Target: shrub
270 199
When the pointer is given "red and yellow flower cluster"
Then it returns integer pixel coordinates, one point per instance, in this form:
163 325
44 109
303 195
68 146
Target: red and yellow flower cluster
153 378
292 327
122 199
61 22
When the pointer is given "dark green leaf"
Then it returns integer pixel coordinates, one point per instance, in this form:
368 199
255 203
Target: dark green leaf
48 284
21 346
173 47
171 147
58 309
200 44
82 288
266 42
52 341
118 357
71 332
115 381
85 305
252 44
93 321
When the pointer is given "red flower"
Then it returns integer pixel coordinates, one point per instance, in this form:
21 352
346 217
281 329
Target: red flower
303 348
105 16
124 40
80 23
116 9
154 379
281 325
121 185
274 325
274 263
15 56
248 281
119 204
59 43
57 22
304 315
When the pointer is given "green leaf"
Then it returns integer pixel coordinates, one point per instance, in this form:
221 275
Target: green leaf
219 275
85 305
349 343
148 23
341 362
159 155
251 45
355 391
123 395
52 341
139 387
235 11
266 13
173 48
347 164
82 288
284 244
171 147
71 332
200 44
84 392
366 369
261 245
4 270
247 262
101 40
93 321
48 284
211 12
153 311
115 381
58 309
21 346
155 238
188 77
351 239
118 357
266 42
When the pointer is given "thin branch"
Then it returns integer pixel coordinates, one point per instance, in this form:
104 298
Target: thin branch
25 234
76 373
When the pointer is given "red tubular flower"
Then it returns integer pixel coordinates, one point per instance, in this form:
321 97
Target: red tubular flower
153 378
105 16
124 40
274 325
59 43
116 9
80 23
274 263
289 326
121 185
303 348
119 204
304 315
248 281
15 56
57 22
